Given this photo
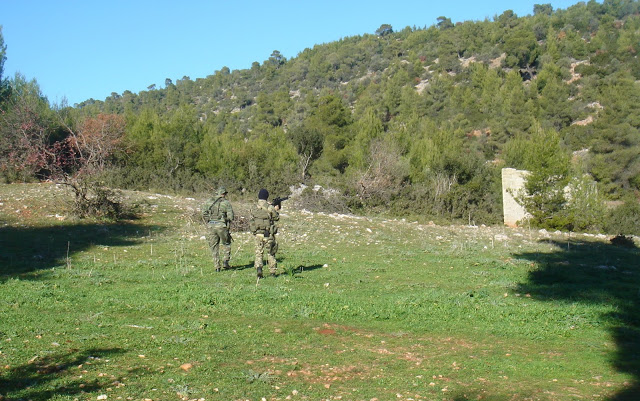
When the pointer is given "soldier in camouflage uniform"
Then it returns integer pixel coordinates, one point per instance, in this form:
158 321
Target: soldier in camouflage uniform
263 227
218 213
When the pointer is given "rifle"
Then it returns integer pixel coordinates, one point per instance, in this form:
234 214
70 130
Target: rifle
278 201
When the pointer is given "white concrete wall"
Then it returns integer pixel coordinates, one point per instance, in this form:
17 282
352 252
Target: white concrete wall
512 182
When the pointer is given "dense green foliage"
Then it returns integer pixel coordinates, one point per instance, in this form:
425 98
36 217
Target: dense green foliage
417 120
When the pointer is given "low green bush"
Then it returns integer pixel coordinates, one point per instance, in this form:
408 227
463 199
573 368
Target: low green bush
624 219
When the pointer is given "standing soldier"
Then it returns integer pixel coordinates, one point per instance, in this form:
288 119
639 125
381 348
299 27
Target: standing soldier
262 225
218 213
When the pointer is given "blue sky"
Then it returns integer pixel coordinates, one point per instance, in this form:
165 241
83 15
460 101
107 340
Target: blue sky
88 49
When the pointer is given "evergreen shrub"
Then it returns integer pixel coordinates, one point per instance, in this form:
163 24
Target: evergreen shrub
624 219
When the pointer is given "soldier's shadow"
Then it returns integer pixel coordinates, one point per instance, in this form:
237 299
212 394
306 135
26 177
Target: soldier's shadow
303 269
242 267
284 268
298 271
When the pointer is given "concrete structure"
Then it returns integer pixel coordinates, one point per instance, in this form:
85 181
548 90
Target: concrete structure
512 183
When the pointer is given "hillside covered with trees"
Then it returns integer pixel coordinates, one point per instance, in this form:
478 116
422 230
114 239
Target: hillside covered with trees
416 120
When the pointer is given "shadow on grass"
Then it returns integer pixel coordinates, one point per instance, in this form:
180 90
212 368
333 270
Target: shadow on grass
42 378
299 270
29 249
242 267
282 266
590 272
303 269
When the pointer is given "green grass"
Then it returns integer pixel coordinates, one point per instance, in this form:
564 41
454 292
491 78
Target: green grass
365 308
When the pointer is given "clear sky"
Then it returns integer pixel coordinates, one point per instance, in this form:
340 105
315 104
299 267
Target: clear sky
82 49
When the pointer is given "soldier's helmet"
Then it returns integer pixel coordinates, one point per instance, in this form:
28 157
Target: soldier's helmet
221 191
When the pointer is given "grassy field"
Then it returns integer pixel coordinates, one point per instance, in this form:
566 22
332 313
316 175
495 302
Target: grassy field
364 309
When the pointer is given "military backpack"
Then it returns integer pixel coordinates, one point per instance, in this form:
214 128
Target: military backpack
260 221
213 213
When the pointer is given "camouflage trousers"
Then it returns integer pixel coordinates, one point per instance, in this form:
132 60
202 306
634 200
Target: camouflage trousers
269 243
218 237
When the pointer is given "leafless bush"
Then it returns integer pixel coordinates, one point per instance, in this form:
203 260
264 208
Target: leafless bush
240 222
320 200
385 175
92 200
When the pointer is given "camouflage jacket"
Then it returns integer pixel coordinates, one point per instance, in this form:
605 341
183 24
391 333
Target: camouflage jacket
217 210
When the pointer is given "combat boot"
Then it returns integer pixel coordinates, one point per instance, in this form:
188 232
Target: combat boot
225 265
260 272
